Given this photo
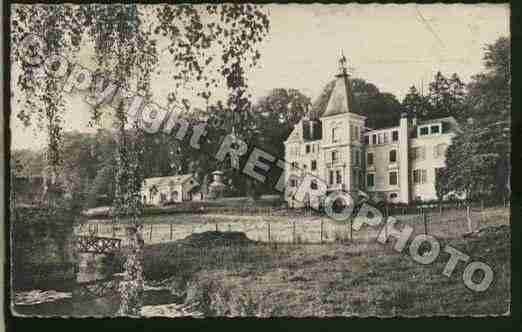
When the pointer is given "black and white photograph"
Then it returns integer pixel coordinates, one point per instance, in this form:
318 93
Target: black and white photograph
258 160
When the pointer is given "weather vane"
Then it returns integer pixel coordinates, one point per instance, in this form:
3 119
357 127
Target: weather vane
343 63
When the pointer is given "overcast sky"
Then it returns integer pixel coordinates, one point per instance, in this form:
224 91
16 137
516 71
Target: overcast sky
391 46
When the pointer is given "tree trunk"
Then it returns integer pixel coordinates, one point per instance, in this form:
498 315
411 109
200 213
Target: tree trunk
131 288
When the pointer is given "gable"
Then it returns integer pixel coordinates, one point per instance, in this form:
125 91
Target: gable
296 134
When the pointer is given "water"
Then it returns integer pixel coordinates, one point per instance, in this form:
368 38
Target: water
93 293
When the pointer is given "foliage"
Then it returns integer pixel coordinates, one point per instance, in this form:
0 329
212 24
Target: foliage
446 97
125 39
478 159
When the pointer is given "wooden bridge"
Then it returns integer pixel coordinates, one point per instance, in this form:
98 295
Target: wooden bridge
97 245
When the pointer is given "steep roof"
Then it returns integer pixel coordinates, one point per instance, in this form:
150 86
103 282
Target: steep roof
168 180
341 98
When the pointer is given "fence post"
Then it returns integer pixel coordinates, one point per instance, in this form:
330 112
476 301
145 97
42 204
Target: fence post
293 231
321 230
482 213
468 217
351 229
171 230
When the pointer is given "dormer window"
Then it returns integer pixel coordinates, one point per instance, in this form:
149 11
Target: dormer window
423 131
435 129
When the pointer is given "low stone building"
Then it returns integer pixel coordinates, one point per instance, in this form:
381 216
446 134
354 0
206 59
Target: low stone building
168 189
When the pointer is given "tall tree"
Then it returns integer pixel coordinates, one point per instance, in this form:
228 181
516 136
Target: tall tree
204 42
478 159
415 104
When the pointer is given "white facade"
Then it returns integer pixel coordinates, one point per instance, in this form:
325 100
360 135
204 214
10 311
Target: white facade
161 190
396 164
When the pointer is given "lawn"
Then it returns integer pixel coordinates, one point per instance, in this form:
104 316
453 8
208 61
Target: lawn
275 227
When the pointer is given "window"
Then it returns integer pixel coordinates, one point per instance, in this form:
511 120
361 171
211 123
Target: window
374 139
335 134
416 176
424 176
393 178
293 183
379 138
295 165
424 131
357 157
393 156
370 179
395 136
338 177
393 195
366 140
313 185
435 129
313 165
308 149
385 138
419 176
335 156
439 150
361 179
355 176
417 153
357 136
352 132
369 159
445 127
331 177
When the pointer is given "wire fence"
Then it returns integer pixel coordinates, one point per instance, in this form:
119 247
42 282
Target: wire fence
308 228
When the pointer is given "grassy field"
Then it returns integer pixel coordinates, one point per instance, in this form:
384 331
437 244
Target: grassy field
291 229
361 277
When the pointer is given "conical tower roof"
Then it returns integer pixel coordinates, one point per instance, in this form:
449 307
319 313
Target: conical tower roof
341 99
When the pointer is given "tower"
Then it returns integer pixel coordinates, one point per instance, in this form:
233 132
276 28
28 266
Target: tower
341 137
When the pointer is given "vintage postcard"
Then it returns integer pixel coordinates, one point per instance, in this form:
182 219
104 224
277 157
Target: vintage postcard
248 160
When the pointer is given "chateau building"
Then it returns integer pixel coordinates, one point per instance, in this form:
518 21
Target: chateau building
396 164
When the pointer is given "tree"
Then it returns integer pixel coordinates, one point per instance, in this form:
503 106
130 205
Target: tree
275 115
414 103
441 183
204 42
478 158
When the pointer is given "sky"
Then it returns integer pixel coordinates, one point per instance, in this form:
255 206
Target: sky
391 46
